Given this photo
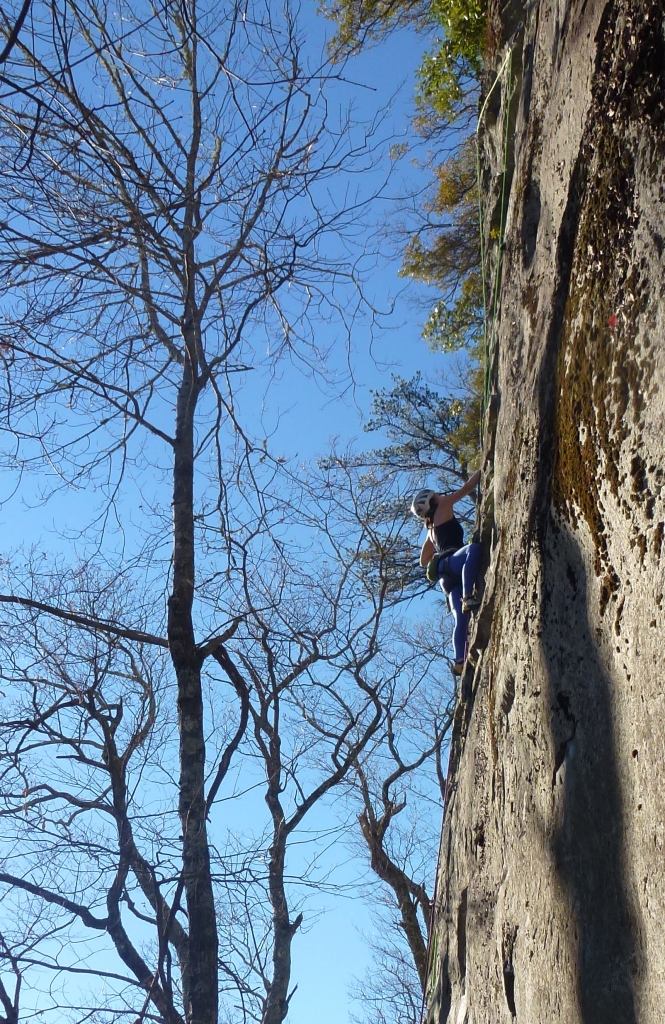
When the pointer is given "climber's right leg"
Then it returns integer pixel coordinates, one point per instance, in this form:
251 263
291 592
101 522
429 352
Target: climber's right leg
465 563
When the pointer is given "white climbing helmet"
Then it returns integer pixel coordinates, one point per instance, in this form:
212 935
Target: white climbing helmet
420 505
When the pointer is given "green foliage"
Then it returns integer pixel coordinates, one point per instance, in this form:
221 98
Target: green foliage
451 261
450 72
447 248
420 421
363 21
444 81
432 441
445 252
466 438
457 327
463 21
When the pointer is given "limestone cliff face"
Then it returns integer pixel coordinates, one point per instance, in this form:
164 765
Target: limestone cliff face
551 890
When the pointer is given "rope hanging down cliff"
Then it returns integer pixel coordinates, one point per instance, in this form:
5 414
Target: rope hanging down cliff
489 315
489 333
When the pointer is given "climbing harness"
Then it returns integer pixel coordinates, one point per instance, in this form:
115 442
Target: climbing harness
436 570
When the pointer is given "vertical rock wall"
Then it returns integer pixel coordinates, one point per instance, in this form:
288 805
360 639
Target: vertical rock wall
551 890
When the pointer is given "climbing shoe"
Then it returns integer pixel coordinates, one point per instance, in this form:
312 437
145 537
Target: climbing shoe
470 603
457 668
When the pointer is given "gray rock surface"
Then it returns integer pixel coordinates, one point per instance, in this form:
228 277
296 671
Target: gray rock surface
551 890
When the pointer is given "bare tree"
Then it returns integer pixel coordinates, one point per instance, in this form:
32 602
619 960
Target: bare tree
400 788
13 29
166 177
396 789
168 221
305 685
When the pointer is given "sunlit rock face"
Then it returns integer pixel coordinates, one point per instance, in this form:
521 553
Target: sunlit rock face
551 889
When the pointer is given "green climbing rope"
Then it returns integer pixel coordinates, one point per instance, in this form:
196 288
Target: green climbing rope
488 347
489 314
489 334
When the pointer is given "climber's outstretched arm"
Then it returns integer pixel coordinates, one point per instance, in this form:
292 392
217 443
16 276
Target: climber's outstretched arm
465 489
444 509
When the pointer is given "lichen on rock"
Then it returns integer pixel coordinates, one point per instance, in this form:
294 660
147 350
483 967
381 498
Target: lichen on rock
551 894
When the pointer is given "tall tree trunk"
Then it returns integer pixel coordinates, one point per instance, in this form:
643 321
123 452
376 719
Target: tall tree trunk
405 894
201 995
200 984
277 1001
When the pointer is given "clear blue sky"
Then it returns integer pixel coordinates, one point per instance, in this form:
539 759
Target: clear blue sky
334 951
308 417
329 954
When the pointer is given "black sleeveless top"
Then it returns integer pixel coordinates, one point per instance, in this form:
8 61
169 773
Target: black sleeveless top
448 535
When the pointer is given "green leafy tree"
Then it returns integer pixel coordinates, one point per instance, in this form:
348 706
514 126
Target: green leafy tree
360 22
445 252
450 70
449 75
423 425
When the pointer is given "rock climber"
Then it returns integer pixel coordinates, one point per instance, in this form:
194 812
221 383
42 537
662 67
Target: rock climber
448 559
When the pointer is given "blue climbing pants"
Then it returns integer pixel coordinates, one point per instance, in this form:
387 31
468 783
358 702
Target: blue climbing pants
464 563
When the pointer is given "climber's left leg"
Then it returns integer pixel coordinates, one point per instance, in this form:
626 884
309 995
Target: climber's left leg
461 623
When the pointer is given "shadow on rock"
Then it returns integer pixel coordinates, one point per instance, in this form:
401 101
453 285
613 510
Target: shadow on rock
587 845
